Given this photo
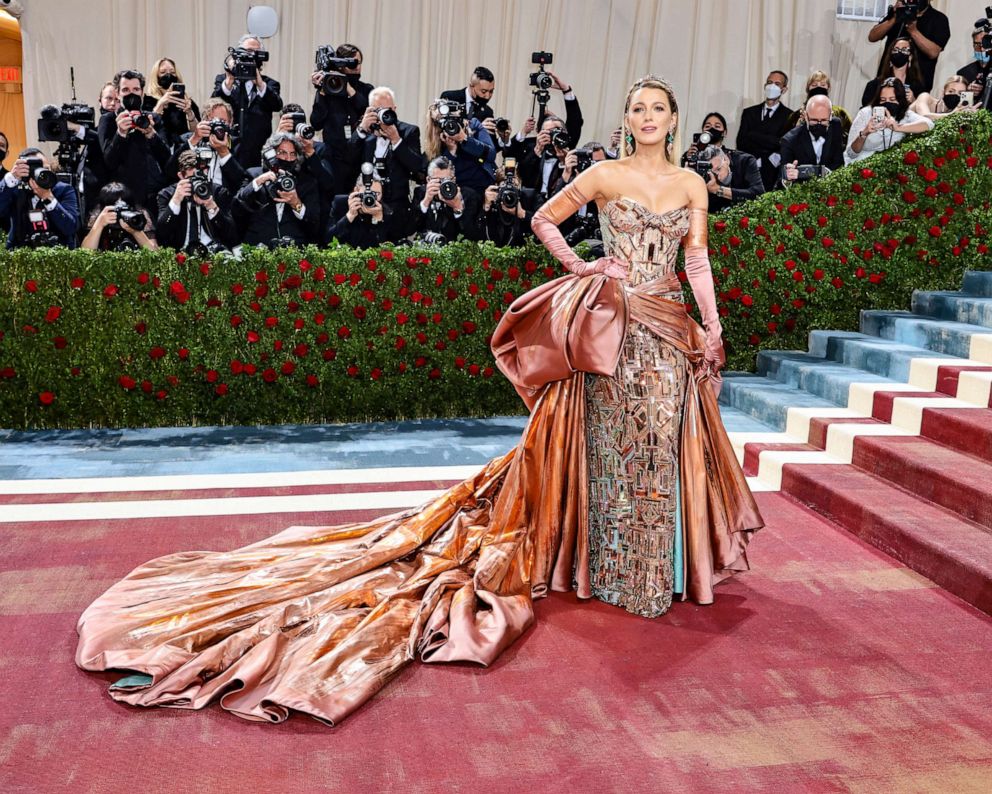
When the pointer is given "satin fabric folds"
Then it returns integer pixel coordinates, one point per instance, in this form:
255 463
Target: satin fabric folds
317 619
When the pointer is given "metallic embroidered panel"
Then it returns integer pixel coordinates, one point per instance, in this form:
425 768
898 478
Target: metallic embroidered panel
633 430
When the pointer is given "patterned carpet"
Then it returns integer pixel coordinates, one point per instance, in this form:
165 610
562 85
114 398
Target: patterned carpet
829 667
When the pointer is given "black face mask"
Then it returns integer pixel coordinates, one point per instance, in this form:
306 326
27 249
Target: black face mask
817 130
899 59
715 135
817 90
166 81
353 79
3 154
893 108
131 102
292 166
481 101
951 101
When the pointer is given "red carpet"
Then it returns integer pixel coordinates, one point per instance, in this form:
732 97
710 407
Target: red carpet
829 667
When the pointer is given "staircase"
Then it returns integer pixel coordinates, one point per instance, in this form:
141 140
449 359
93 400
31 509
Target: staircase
887 432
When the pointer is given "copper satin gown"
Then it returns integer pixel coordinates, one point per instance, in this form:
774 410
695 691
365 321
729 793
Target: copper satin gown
624 434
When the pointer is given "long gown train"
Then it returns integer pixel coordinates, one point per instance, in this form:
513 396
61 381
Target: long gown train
317 619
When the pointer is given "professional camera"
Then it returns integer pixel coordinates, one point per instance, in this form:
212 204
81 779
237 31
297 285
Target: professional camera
132 217
242 64
540 79
450 117
369 197
502 124
204 155
220 128
702 139
333 81
44 177
433 238
300 126
283 242
202 186
508 194
808 172
448 189
387 118
40 235
985 24
908 11
54 122
284 181
701 167
559 139
583 159
587 228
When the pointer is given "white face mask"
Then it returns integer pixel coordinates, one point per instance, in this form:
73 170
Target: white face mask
772 91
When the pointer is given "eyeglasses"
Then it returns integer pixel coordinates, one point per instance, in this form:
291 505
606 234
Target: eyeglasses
903 50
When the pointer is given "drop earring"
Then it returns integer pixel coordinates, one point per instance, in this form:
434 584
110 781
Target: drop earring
670 138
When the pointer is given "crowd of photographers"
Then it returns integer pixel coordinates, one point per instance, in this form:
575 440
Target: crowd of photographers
150 167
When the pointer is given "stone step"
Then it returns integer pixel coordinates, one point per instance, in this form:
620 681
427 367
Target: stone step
825 378
766 400
954 306
978 282
883 357
938 336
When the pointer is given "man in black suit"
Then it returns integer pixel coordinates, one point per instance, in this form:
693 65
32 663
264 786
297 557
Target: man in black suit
338 114
192 223
458 215
253 103
476 97
507 223
267 213
393 148
762 127
364 226
542 167
133 151
519 145
316 158
733 177
224 168
820 141
50 211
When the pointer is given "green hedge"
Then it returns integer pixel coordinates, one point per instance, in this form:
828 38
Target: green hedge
150 339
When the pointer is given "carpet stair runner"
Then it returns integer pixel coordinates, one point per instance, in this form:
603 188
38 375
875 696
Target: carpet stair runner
887 432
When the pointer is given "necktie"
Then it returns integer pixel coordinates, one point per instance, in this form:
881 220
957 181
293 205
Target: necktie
765 114
251 92
194 226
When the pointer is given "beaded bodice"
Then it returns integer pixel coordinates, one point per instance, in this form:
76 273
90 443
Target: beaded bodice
648 241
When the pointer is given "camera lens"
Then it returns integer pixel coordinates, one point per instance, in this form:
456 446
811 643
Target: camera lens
448 189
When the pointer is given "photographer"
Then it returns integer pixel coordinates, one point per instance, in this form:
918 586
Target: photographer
166 96
117 224
194 215
393 147
927 29
444 207
364 219
542 167
273 214
884 123
731 177
974 72
521 146
252 97
900 61
584 224
818 142
463 141
215 132
316 156
507 208
338 106
133 151
39 209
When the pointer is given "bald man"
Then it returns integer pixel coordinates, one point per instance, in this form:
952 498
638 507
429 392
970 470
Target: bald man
819 141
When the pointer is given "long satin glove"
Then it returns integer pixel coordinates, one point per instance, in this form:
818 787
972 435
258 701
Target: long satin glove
700 274
545 224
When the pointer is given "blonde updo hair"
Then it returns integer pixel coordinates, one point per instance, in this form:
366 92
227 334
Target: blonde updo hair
627 144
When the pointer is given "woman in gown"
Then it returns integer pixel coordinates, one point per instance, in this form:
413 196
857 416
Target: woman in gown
624 487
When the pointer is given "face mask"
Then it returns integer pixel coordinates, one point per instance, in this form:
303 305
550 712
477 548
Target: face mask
480 100
951 101
715 135
3 154
893 108
354 79
131 102
982 57
725 180
772 91
817 90
288 165
165 81
817 130
899 59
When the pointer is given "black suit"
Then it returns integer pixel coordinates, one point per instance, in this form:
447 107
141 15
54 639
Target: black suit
404 163
531 172
63 217
441 218
256 121
745 181
259 217
135 160
761 138
361 232
506 229
797 146
176 231
332 114
478 110
573 126
232 173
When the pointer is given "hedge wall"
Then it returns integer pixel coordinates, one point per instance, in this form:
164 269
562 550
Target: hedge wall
152 339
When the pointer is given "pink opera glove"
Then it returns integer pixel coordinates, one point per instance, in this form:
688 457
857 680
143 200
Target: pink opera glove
545 224
697 268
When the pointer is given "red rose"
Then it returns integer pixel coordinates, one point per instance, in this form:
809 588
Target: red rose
375 374
875 278
402 318
46 398
253 337
735 241
434 374
744 222
754 339
183 353
181 258
936 231
237 367
473 370
359 312
220 389
719 226
312 381
344 332
837 282
110 290
126 382
78 283
931 175
827 242
156 353
818 274
747 300
288 368
482 304
31 285
911 158
797 275
860 273
487 372
330 354
468 327
352 371
235 321
400 343
420 361
53 313
269 375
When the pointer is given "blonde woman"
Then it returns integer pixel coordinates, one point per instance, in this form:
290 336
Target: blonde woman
464 142
178 111
947 102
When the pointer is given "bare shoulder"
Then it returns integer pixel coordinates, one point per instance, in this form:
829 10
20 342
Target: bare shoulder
600 181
